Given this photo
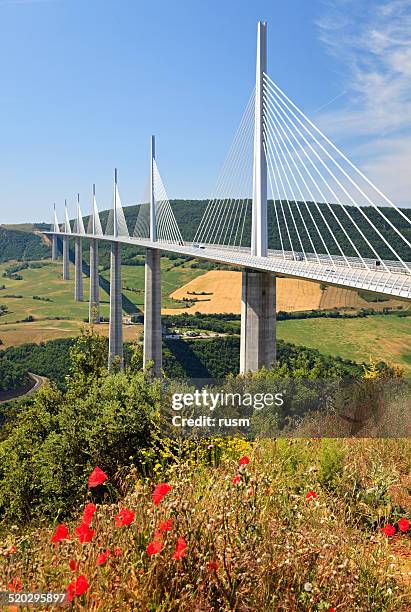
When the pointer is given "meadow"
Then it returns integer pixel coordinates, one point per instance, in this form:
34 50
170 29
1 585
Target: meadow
386 337
62 316
286 525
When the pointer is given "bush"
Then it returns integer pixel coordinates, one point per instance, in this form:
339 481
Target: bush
55 441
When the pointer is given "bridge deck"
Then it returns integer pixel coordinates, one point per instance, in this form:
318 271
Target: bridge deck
391 280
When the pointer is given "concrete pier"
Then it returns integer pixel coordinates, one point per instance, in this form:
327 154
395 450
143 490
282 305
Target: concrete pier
115 350
66 268
94 302
258 317
54 248
152 312
78 267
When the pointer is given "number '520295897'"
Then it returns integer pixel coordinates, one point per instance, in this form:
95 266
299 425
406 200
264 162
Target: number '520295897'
32 598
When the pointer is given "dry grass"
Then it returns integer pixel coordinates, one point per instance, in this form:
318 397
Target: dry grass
269 547
292 295
13 334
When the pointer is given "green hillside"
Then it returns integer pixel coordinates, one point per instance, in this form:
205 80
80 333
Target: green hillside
23 245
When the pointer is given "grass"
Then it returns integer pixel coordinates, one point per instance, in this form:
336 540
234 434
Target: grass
385 337
47 282
253 543
380 337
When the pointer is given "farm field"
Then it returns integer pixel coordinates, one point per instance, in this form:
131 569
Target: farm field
223 295
383 337
47 282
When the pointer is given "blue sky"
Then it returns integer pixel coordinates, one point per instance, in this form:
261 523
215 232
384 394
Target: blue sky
86 82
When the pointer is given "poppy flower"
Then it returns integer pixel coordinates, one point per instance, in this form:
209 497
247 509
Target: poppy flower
244 460
102 558
403 525
61 533
389 530
97 477
117 552
15 585
180 550
331 610
311 495
77 587
155 547
88 513
73 565
84 533
213 566
11 551
82 585
71 590
165 526
237 479
160 492
124 517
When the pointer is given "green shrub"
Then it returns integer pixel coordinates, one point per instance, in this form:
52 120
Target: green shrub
55 441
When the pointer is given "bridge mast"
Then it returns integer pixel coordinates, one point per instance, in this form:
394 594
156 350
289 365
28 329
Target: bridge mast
259 209
152 350
78 259
258 298
115 350
153 225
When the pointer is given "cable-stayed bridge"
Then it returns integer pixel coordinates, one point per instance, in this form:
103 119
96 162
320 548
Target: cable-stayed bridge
287 202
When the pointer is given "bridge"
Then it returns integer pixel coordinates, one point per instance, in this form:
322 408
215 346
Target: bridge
325 222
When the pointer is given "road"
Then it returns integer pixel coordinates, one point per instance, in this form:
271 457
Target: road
25 392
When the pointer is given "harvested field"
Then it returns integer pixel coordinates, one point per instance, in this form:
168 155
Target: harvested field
224 289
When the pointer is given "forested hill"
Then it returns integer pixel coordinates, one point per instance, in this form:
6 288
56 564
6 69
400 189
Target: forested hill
24 244
18 244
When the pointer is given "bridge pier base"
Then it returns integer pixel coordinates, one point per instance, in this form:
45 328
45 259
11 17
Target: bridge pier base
54 248
258 317
66 268
78 268
94 301
115 347
152 312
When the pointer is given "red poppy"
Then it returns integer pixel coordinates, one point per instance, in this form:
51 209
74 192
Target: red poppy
244 460
180 550
160 492
97 477
11 551
165 526
389 530
73 565
81 585
88 513
331 610
237 479
84 533
213 566
102 558
117 552
155 547
403 525
15 585
311 495
61 533
124 517
71 590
